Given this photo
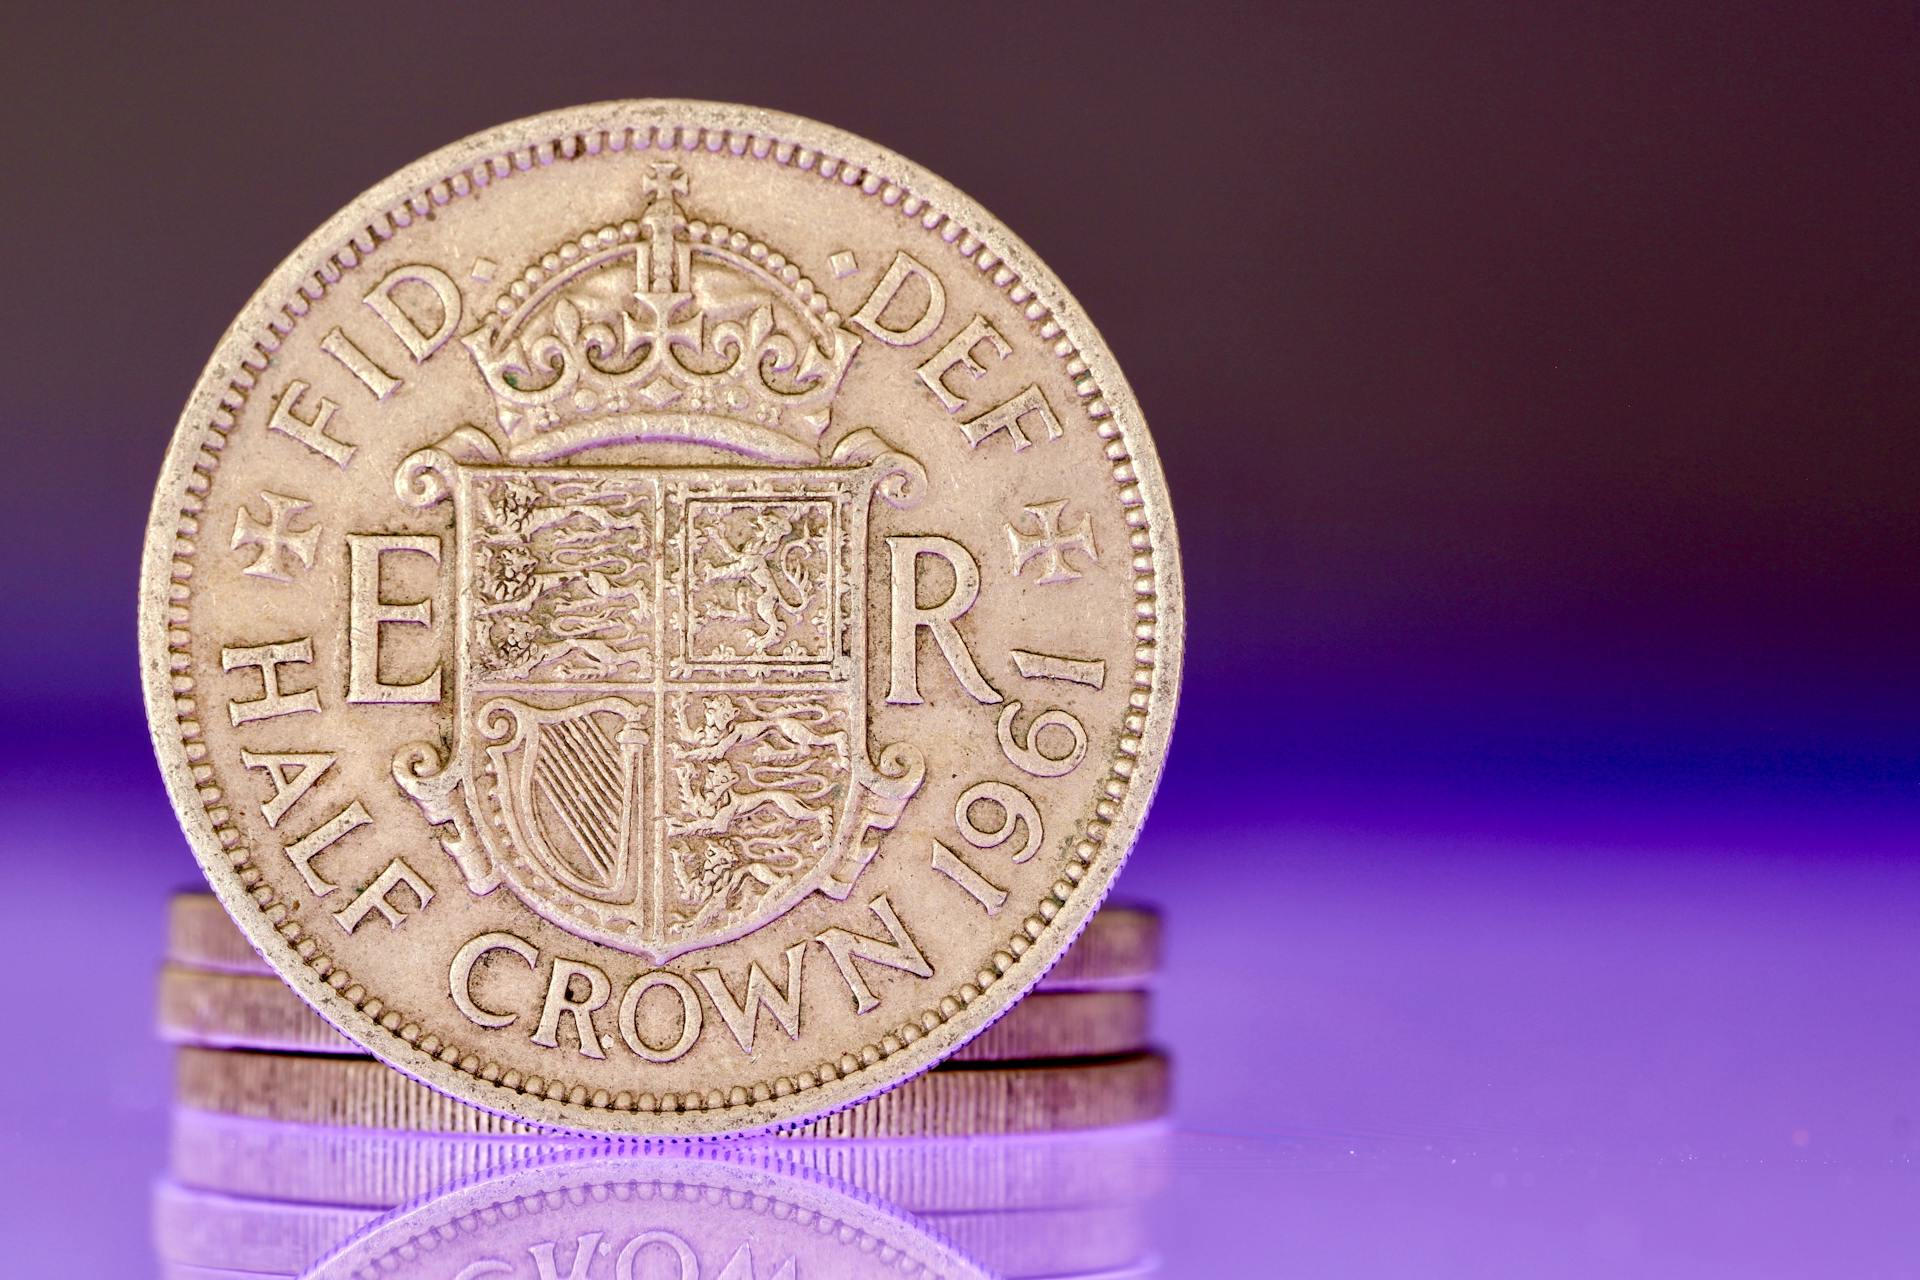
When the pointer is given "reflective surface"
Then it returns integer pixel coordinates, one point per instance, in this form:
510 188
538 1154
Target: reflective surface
1070 1205
1547 1039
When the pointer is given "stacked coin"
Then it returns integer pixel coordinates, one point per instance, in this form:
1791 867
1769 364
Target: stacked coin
215 992
1033 1148
777 567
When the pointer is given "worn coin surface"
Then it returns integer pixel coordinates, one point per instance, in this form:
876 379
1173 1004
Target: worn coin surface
257 1011
661 618
950 1101
1119 950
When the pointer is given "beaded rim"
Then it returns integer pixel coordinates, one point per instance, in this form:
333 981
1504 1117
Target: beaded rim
460 170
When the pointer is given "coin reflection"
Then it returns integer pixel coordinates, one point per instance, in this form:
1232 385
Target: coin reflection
273 1199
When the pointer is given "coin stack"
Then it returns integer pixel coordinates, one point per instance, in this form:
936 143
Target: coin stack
1032 1148
776 566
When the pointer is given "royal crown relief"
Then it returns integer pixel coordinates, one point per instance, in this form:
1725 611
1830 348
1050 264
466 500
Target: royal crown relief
633 602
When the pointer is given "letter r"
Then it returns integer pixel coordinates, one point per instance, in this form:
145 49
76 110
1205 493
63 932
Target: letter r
909 616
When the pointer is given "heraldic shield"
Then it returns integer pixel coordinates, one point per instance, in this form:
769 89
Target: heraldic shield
659 738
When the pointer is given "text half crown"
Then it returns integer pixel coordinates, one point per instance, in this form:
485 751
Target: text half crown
663 327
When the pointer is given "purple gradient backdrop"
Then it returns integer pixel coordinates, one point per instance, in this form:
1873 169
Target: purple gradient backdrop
1536 385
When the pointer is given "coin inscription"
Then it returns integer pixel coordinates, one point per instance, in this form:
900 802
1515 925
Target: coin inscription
690 625
1119 950
248 1011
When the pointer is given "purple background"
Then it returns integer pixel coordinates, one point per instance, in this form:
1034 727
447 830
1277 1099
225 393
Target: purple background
1536 385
